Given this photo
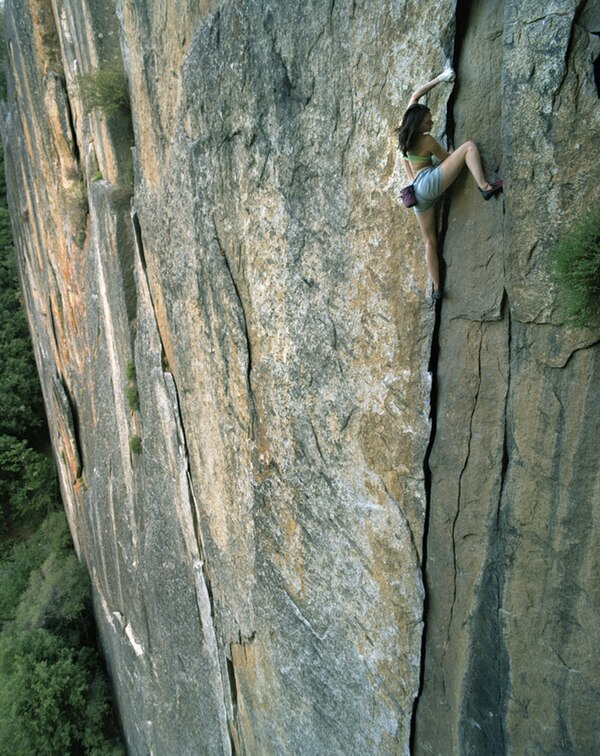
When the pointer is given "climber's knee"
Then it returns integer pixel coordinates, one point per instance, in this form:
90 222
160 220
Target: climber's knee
431 244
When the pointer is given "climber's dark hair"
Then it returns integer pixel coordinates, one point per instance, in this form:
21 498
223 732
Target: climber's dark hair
407 131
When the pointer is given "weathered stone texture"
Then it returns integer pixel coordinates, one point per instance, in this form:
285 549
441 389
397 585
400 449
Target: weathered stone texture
276 293
512 547
258 564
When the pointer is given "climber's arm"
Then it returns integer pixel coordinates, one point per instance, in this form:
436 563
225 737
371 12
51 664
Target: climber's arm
447 75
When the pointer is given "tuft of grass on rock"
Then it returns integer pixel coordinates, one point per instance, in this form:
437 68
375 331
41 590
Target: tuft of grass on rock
131 390
130 370
105 89
575 267
135 445
133 398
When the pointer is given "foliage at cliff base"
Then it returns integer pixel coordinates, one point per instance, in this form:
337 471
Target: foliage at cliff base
54 695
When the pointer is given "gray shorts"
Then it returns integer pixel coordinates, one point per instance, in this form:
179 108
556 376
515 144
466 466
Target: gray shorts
428 188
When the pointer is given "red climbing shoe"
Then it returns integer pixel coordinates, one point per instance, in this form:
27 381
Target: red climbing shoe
496 189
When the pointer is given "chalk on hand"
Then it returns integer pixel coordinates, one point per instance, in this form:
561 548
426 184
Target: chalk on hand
447 75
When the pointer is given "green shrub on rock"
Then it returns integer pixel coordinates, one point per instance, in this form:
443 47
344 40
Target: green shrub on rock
130 373
576 271
104 88
133 398
135 445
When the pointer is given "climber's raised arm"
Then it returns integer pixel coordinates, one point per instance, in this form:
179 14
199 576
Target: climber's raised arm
447 75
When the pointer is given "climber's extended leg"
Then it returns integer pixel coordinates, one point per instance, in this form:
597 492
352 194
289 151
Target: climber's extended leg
429 231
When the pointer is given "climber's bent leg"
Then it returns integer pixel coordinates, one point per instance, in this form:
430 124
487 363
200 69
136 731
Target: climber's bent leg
467 154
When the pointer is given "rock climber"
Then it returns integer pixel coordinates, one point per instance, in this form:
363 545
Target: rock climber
430 180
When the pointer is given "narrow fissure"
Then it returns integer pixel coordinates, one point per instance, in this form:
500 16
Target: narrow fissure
75 423
234 701
137 233
209 601
231 688
462 17
244 323
243 318
463 8
139 246
427 478
459 499
52 326
194 513
505 451
71 123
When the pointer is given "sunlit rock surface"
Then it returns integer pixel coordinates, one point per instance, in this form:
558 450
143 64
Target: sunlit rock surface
231 319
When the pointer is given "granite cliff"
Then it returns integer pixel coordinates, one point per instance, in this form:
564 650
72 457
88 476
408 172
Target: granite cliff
320 517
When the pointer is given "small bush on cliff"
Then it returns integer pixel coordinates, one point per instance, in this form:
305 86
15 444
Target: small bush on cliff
133 398
131 390
130 373
576 270
135 445
104 88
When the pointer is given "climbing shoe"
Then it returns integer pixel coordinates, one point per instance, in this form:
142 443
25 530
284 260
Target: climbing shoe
496 189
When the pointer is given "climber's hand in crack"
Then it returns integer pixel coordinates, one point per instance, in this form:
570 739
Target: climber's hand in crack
447 75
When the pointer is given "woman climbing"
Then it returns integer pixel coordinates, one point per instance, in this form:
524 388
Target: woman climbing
430 181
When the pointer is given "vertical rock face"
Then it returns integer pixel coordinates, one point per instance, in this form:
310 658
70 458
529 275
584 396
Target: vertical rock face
257 565
230 318
513 540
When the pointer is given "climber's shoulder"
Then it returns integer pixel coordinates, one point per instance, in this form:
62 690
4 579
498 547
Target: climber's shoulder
433 146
